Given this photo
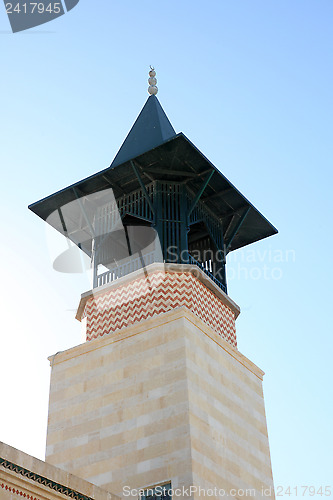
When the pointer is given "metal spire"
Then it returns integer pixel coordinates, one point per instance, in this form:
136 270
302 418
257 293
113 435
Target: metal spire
152 89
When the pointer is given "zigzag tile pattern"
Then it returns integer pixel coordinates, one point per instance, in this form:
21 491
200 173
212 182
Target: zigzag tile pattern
160 292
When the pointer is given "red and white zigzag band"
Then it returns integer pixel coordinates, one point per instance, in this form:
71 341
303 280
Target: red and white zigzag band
160 292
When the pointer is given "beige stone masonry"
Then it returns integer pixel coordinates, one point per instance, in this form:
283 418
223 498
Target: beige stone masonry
165 399
19 473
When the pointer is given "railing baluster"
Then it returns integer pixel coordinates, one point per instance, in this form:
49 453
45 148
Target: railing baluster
149 258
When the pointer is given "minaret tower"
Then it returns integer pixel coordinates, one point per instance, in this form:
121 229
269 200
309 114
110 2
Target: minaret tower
159 393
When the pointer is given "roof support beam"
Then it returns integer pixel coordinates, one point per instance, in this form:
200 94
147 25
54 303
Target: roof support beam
207 171
233 212
200 192
167 171
237 228
84 213
113 184
218 194
143 187
226 232
62 220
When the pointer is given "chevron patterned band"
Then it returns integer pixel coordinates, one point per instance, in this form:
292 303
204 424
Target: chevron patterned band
145 297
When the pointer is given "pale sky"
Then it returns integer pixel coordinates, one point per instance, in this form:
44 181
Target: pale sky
250 84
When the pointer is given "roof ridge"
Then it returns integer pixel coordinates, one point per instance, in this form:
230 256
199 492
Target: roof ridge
151 128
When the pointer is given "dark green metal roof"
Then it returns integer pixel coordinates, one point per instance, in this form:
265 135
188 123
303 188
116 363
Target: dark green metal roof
151 128
159 154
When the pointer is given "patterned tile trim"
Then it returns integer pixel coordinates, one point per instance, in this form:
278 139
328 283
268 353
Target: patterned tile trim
158 293
18 492
6 464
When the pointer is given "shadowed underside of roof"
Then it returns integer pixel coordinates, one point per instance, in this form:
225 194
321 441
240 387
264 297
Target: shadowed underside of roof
159 154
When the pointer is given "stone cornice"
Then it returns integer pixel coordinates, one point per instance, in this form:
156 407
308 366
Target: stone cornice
159 267
26 472
43 480
149 324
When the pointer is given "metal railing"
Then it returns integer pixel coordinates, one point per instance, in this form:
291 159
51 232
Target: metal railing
131 265
134 264
202 266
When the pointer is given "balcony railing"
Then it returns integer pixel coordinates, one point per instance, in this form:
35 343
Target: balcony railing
203 267
144 260
131 265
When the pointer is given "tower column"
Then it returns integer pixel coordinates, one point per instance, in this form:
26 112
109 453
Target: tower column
159 393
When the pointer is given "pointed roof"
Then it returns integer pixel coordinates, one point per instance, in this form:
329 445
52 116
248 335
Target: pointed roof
151 128
162 155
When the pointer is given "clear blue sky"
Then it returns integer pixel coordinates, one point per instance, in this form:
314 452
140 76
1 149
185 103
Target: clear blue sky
250 83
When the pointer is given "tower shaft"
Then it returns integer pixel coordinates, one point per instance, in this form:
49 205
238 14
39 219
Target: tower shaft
164 398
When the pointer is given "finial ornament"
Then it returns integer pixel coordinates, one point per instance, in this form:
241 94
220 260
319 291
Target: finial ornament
152 89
